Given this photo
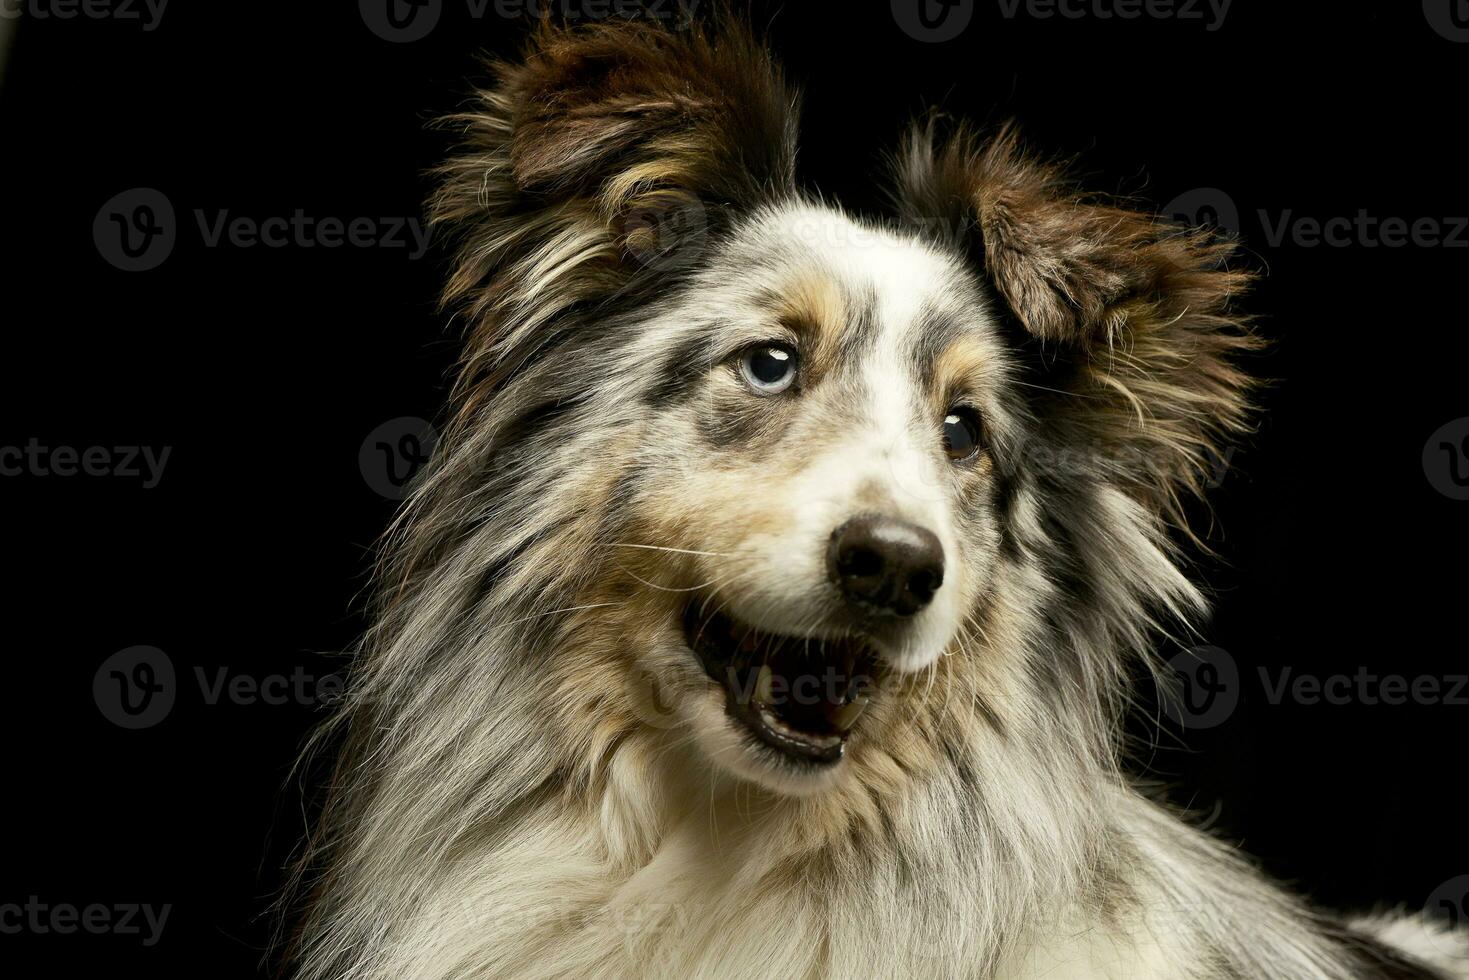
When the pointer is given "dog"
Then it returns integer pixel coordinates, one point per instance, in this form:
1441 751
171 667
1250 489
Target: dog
745 622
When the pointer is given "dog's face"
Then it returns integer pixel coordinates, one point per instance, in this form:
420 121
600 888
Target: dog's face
779 468
827 400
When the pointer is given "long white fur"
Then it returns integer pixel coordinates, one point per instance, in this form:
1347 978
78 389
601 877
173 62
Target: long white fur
502 834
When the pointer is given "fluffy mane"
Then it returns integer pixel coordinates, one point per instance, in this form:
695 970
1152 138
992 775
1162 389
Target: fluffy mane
500 807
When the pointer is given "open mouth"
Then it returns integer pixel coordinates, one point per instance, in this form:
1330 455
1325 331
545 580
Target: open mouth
800 696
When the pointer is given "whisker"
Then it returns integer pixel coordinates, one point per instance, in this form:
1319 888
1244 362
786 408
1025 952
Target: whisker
659 547
665 588
1073 394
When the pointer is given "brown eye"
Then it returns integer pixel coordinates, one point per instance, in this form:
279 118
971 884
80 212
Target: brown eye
961 434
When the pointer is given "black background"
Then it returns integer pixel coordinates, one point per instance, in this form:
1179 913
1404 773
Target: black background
264 369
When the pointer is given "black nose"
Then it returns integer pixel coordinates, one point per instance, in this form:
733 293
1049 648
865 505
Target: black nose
886 564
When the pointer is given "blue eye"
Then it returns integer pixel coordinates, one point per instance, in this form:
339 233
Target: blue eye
769 368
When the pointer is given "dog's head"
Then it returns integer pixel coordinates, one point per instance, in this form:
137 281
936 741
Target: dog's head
789 485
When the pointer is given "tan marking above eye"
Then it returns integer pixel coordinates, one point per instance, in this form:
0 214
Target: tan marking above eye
961 366
812 307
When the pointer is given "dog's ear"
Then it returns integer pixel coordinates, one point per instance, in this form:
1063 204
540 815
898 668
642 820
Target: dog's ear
1127 315
616 108
597 171
610 151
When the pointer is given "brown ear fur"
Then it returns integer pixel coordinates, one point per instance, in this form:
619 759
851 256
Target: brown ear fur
596 169
1138 307
615 106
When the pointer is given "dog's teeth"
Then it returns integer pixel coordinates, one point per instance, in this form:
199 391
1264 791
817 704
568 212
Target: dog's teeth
810 738
857 688
846 716
763 690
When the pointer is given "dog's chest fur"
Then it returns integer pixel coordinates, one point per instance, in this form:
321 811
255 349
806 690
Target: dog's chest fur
728 887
